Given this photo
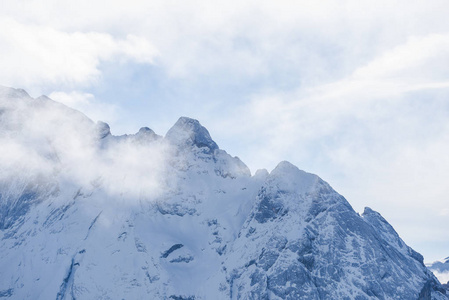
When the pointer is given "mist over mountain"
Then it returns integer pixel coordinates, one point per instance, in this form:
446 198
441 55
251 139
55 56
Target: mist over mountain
85 214
441 269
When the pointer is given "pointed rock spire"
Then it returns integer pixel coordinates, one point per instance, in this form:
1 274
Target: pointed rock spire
102 129
187 131
146 134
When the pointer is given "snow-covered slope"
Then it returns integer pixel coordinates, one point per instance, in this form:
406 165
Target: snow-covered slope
88 215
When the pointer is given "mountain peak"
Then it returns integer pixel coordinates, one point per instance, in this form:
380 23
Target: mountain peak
103 129
191 132
146 134
145 130
44 98
290 178
8 92
369 211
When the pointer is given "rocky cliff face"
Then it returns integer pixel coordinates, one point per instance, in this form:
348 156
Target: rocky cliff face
88 215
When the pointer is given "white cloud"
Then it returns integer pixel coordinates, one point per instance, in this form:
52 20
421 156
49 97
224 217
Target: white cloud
34 55
302 42
442 277
41 138
444 212
419 60
86 102
246 38
73 99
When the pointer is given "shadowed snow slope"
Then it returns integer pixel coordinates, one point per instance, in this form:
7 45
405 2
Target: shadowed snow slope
88 215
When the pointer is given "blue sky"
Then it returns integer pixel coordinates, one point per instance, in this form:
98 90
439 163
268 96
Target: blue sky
354 91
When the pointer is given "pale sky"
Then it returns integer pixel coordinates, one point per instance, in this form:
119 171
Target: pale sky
354 91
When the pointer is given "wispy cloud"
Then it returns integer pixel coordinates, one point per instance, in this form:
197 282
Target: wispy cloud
88 104
42 138
33 55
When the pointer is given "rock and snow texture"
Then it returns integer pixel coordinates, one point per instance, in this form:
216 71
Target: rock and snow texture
85 214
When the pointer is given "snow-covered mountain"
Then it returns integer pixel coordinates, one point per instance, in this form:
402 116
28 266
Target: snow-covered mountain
85 214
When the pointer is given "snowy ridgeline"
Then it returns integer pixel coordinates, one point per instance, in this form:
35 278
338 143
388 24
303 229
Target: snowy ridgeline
88 215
